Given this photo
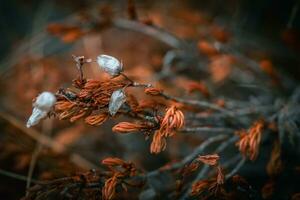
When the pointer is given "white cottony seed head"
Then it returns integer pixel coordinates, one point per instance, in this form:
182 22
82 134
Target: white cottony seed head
43 104
117 99
45 101
36 116
110 65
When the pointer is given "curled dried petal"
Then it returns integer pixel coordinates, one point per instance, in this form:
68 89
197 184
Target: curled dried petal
249 142
172 121
113 161
109 188
158 143
127 127
211 160
199 187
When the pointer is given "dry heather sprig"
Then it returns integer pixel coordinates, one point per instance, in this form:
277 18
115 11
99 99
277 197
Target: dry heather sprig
172 121
127 127
212 186
120 170
249 142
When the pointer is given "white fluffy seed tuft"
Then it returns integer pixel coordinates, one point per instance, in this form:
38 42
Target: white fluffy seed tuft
117 99
43 104
110 65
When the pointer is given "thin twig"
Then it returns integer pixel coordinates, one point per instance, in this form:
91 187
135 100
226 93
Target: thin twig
200 104
18 176
236 169
206 168
208 130
46 130
154 32
45 140
193 155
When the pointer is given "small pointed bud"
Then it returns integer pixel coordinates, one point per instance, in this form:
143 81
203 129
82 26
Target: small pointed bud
117 99
45 101
110 65
36 116
42 105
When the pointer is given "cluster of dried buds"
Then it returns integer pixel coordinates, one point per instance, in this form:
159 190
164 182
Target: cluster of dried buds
96 101
172 121
120 172
163 128
249 141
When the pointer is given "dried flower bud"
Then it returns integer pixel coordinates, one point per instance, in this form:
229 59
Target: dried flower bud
45 101
127 127
113 161
43 104
117 99
36 116
109 188
209 159
110 65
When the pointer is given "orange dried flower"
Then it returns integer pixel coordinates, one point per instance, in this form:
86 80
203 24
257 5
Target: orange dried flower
172 121
198 86
158 143
211 160
127 127
113 161
96 120
249 142
109 188
153 91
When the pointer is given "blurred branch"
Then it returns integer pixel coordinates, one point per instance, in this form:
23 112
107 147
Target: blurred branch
47 141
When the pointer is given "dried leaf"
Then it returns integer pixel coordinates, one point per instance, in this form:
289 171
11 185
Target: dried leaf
211 160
